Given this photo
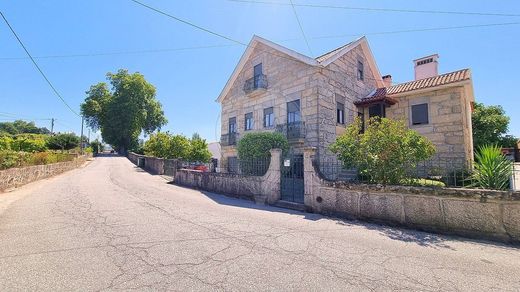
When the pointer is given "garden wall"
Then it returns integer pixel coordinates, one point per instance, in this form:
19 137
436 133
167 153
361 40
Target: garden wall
261 189
14 177
152 164
467 212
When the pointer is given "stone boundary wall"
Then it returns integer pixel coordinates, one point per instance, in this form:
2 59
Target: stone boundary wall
15 177
152 164
472 213
261 189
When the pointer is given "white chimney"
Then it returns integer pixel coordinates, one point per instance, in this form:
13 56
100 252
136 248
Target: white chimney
387 80
426 67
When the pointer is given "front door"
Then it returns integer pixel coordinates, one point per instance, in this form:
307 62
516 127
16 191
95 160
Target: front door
292 186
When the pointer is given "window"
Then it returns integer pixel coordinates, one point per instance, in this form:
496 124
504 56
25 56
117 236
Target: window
420 114
268 117
248 121
232 128
293 112
361 116
257 72
377 110
360 71
340 113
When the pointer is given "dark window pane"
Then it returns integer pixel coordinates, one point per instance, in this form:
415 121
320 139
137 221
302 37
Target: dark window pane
248 121
268 117
293 111
232 125
360 71
420 114
257 70
340 113
375 111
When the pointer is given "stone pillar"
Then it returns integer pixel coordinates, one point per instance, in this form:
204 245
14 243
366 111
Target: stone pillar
309 176
271 180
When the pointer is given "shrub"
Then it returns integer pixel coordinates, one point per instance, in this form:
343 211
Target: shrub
492 169
29 143
9 159
258 145
96 146
384 152
5 142
65 141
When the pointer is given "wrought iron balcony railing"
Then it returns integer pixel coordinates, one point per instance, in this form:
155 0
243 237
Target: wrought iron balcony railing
255 83
294 130
229 139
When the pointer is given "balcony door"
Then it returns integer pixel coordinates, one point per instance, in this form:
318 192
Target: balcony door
232 125
257 72
293 112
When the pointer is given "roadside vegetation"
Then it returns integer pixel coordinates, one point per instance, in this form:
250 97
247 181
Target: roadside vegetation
172 146
38 146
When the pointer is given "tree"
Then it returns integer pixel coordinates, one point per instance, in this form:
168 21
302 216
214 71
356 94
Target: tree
96 146
166 145
198 151
63 141
258 145
384 152
125 110
29 143
22 127
490 124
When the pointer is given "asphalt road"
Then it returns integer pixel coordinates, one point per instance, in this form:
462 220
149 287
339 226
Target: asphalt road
111 226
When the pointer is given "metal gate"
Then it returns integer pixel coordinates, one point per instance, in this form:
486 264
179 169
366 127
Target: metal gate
292 186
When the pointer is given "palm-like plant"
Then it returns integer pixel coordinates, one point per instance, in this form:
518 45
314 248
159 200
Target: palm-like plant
492 169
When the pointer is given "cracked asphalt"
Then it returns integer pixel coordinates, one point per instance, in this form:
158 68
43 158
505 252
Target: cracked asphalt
110 226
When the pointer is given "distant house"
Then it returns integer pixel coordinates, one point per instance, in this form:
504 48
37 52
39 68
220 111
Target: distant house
214 148
312 100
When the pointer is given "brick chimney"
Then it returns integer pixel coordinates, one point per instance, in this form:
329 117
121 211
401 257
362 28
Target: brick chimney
426 67
387 80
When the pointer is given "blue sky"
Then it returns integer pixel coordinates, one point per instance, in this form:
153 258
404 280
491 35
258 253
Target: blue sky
189 80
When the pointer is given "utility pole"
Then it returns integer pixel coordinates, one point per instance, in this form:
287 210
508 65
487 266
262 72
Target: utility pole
81 137
52 126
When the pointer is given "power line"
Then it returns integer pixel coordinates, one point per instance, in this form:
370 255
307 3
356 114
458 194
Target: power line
114 53
36 65
379 9
301 27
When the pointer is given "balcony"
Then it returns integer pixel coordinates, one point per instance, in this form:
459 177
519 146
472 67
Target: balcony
295 131
256 85
229 139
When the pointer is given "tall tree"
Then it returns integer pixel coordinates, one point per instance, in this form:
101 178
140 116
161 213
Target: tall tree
21 127
490 125
125 110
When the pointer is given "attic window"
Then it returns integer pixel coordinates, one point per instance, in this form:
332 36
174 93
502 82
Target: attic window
425 61
360 71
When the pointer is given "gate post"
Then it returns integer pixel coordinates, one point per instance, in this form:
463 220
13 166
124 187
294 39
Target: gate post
271 180
308 176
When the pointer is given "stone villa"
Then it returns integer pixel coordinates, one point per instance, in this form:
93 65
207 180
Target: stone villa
311 100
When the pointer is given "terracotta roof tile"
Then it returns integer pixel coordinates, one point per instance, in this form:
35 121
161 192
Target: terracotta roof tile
381 94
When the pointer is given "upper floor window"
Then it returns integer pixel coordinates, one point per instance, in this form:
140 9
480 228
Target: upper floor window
268 117
377 110
420 114
340 113
232 127
360 71
293 111
248 121
257 72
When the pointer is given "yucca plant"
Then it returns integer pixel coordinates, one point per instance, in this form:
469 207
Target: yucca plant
492 169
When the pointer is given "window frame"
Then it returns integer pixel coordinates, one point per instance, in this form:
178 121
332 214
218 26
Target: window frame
382 110
232 121
248 121
360 71
296 115
340 113
422 120
269 112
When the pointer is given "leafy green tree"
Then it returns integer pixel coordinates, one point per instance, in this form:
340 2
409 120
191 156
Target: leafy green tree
258 145
490 125
29 143
125 110
492 169
63 141
166 145
22 127
96 146
198 151
384 152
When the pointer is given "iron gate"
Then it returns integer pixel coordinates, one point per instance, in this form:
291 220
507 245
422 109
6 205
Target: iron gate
292 186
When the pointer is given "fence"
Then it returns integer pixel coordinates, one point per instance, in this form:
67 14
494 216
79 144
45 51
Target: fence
436 172
253 167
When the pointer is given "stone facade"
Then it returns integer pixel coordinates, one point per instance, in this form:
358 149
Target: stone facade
15 177
449 126
318 88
